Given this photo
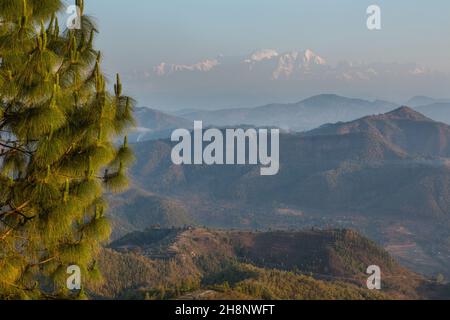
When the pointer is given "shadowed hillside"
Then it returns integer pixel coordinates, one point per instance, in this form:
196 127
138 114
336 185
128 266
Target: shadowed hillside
408 129
137 209
388 164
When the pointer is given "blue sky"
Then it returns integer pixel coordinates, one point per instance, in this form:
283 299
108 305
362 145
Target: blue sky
135 33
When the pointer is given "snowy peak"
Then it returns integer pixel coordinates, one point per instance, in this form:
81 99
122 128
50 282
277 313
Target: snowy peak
202 66
297 61
311 57
264 54
283 65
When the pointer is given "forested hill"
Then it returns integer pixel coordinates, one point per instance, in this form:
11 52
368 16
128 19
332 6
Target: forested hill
206 264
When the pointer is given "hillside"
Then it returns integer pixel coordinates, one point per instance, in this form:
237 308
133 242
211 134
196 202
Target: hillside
391 164
137 209
405 128
205 264
369 174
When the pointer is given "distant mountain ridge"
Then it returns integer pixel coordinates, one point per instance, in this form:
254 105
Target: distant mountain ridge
438 111
419 101
303 115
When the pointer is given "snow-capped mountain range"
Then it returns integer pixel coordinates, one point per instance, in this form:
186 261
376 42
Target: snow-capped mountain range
284 65
270 75
289 65
165 69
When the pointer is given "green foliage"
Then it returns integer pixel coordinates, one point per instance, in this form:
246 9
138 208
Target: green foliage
203 264
58 126
130 276
276 285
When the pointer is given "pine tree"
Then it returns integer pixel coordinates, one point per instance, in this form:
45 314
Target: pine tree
58 156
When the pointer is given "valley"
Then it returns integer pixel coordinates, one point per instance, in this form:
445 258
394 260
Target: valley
385 175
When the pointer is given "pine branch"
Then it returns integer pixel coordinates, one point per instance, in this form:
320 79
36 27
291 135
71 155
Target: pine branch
7 233
43 262
16 149
17 210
